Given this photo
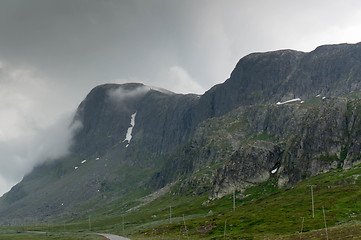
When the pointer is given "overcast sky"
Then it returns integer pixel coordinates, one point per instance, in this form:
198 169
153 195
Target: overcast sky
53 52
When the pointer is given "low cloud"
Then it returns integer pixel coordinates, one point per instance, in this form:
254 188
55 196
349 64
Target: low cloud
174 79
33 128
19 155
119 94
178 80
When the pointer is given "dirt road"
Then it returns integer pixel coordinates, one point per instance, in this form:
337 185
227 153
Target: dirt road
112 237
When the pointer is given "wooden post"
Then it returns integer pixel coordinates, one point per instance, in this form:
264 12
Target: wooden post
123 224
185 227
225 227
234 200
324 219
303 220
170 214
90 225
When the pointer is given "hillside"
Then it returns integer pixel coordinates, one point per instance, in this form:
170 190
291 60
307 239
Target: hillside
261 212
282 116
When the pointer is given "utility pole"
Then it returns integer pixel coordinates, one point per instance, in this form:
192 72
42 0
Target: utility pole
90 225
313 205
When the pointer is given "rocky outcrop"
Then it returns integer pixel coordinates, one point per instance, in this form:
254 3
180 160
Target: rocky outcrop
250 165
303 141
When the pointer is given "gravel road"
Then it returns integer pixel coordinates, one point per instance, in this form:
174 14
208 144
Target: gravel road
112 237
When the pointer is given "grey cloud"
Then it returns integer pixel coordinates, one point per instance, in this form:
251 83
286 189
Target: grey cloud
88 42
119 94
33 125
97 41
20 155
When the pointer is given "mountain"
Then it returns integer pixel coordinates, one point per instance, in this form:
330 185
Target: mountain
260 78
282 115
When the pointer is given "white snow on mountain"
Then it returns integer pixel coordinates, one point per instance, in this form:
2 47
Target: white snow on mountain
128 136
288 101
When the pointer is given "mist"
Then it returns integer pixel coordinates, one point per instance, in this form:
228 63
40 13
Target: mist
34 127
19 155
119 94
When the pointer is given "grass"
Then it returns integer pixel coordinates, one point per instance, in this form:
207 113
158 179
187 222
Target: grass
6 234
272 213
351 230
266 213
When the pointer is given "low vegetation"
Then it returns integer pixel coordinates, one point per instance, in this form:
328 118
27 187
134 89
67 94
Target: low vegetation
261 212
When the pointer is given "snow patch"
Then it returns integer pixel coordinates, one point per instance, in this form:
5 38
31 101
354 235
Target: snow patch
274 171
84 161
288 101
128 136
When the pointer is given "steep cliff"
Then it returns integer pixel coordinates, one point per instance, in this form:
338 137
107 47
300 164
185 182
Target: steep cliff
284 143
330 70
282 116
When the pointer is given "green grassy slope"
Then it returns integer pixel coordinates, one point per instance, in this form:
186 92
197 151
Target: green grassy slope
267 213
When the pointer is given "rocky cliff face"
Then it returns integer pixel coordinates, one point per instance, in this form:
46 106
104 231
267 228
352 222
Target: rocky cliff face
294 142
281 116
259 78
162 119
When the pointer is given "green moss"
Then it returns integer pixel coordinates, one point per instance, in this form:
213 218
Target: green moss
264 136
311 102
328 158
238 123
349 109
353 95
344 152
